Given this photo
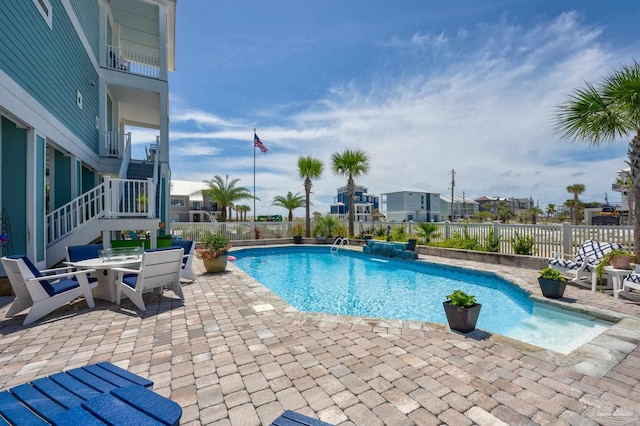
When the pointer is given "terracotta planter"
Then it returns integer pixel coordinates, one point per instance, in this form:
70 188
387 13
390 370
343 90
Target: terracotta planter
552 289
216 264
461 319
620 261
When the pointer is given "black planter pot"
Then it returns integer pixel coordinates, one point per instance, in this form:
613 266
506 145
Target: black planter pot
552 289
462 319
297 239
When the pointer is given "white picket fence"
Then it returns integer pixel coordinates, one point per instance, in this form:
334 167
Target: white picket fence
549 238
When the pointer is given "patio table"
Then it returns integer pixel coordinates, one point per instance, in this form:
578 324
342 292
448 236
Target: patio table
106 288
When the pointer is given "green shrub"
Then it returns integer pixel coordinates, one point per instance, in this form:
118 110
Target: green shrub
552 274
399 233
426 231
522 245
492 242
461 242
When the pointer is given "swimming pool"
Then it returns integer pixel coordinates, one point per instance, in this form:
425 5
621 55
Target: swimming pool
350 283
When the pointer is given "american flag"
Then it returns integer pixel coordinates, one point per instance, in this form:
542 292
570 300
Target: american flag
258 143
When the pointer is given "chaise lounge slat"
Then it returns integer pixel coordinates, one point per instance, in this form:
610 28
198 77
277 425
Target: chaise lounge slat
291 418
12 409
90 395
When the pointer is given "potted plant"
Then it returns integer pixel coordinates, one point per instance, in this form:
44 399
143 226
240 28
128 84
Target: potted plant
462 311
617 258
297 231
213 252
552 283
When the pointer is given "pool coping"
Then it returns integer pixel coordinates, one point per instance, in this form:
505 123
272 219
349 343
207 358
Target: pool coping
594 358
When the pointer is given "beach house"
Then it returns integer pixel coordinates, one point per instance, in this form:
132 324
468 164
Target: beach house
80 81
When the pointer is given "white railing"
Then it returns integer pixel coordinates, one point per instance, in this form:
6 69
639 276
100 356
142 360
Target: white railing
115 144
130 198
113 198
75 213
132 62
548 238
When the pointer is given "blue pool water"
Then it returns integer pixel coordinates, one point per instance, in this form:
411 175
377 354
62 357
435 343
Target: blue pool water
350 283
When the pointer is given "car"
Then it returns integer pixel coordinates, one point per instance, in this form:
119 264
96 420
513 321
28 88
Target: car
608 211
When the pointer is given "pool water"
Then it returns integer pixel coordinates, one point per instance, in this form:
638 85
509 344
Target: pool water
350 283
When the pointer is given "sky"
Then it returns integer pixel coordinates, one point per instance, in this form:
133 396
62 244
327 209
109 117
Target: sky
424 87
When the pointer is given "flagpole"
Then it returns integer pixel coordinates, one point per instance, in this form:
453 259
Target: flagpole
254 175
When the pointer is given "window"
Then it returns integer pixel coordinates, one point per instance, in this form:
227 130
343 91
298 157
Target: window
196 205
44 7
177 202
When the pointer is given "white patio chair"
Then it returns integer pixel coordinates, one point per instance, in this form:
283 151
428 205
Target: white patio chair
583 265
630 287
44 291
189 248
158 269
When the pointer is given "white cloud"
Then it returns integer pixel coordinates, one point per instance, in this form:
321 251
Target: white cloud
485 112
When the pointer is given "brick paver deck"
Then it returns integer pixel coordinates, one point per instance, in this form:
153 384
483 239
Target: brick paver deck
234 353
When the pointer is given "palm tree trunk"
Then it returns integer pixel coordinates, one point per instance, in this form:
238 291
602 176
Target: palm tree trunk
634 163
307 220
351 189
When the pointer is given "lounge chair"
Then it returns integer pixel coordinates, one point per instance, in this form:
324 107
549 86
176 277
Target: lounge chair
187 259
95 394
158 269
630 287
584 263
44 291
79 253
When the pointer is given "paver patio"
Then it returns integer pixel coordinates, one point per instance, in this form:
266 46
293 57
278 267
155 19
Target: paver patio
234 353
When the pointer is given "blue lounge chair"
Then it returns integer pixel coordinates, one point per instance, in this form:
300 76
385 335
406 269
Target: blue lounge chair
95 394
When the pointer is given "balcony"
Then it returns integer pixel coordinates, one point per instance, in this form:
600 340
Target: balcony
132 62
115 144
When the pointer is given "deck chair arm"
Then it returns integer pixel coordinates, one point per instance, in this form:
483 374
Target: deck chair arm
56 270
122 271
65 275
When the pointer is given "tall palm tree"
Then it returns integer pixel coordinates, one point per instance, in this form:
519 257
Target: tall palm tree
604 113
290 202
309 168
243 209
350 164
225 193
576 189
551 210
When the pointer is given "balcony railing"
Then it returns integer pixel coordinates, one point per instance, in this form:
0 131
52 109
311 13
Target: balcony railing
115 143
132 62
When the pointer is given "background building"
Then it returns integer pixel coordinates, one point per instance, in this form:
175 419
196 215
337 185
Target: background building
463 208
365 204
403 206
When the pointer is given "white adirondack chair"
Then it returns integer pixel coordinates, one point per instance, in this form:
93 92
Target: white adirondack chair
583 265
158 269
44 291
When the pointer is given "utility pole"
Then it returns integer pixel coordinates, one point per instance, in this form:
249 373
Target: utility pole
453 184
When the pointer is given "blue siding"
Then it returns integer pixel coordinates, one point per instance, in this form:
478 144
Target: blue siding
88 13
40 191
14 182
50 64
62 172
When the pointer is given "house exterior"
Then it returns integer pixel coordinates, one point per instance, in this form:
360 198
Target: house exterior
365 204
463 208
409 205
517 205
188 204
74 76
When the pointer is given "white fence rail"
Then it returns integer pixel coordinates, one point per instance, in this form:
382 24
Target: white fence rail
132 62
548 238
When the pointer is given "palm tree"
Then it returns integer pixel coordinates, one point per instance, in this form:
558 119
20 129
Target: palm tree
575 189
290 202
309 168
351 164
551 210
604 113
225 194
243 209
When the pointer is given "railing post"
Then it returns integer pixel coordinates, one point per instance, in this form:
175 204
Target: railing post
151 198
107 197
567 237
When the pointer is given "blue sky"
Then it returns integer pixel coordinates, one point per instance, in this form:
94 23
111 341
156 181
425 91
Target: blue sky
423 86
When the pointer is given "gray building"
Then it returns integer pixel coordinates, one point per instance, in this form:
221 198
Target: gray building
418 206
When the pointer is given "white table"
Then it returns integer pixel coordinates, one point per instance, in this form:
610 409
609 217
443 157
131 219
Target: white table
106 289
617 276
